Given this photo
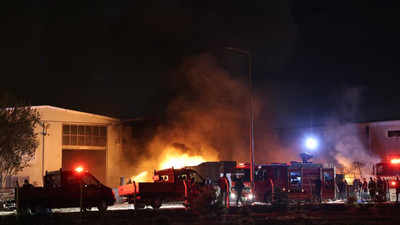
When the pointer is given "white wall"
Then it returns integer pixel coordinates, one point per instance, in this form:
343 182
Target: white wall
56 117
379 142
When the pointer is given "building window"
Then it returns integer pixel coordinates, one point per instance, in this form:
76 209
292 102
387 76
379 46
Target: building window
393 133
83 135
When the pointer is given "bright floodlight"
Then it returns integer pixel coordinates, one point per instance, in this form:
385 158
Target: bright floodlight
311 143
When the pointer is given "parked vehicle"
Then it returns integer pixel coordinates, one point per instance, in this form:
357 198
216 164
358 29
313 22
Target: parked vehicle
169 185
64 189
295 178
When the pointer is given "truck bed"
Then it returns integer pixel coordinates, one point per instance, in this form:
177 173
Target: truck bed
157 187
126 190
147 187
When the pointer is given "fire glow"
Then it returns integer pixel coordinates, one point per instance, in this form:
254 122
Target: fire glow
180 161
171 157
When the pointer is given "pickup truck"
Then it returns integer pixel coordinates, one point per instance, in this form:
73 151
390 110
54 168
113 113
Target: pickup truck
168 185
63 189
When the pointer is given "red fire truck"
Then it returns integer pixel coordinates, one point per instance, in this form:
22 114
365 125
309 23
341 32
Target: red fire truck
388 170
295 178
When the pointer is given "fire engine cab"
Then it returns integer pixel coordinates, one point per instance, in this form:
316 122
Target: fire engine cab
389 170
295 178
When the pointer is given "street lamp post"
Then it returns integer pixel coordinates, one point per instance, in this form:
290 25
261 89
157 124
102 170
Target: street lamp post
44 133
251 149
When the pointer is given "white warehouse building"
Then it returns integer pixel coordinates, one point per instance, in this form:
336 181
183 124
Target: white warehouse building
69 139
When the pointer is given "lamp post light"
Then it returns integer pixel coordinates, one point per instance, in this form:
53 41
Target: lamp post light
251 133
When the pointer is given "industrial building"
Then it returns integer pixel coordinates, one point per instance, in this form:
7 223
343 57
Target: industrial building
379 138
69 139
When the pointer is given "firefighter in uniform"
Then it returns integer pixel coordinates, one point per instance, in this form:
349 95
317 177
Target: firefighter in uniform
341 188
364 188
380 186
317 193
372 188
385 188
223 184
239 188
356 187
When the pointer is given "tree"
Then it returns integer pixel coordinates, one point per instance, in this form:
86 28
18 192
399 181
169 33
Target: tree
18 140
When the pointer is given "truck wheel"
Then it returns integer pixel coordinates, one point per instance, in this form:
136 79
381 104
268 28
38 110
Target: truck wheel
267 197
102 206
36 208
140 205
156 203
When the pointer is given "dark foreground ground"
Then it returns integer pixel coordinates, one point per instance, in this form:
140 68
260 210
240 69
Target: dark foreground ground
324 214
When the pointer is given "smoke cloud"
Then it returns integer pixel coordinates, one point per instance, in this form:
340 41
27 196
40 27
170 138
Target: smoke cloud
345 138
208 118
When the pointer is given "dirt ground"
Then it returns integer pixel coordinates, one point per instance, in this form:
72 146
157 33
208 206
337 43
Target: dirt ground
306 214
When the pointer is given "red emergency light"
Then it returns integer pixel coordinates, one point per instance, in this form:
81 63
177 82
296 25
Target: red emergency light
395 161
79 169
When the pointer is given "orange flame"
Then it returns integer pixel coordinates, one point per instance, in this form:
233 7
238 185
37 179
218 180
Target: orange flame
175 158
180 161
172 157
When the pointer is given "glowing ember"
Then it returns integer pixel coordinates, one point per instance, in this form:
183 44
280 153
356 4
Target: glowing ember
142 177
181 160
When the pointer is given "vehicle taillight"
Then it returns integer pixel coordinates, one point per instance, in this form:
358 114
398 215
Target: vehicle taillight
395 161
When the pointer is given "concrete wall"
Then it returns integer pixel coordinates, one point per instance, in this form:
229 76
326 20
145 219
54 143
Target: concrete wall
379 142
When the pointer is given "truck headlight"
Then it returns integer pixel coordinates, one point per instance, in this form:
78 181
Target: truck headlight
250 196
233 195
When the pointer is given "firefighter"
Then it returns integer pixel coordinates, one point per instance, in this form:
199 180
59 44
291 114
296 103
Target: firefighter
397 188
356 187
364 188
385 188
372 188
317 193
223 184
380 187
239 188
341 188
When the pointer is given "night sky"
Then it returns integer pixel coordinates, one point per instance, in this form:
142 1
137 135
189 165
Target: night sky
311 59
